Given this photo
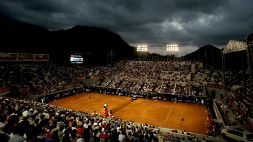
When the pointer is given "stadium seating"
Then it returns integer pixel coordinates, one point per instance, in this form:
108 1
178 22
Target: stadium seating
136 77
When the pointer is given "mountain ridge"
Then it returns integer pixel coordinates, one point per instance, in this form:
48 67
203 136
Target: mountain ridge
99 43
208 54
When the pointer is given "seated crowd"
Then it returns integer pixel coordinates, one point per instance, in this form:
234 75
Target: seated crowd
142 77
237 97
170 77
41 78
27 120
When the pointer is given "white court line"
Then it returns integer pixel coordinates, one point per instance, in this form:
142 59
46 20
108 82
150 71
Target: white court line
149 106
168 115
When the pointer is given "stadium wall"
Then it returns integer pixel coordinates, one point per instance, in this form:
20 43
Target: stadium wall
4 93
88 82
218 114
58 94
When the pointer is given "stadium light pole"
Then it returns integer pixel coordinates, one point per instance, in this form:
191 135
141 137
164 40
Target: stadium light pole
142 49
172 49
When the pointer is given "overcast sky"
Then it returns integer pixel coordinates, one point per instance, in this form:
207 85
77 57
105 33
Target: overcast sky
189 23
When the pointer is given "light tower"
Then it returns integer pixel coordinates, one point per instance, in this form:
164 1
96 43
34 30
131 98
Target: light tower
172 49
142 50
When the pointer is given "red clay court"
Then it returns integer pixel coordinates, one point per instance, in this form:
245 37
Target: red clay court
159 113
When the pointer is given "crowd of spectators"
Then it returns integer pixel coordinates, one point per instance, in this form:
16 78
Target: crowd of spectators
238 96
173 135
41 78
26 120
136 77
164 77
128 75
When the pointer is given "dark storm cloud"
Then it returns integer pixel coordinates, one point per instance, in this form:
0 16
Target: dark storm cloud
190 23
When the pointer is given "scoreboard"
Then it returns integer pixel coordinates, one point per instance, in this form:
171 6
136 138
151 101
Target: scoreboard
76 59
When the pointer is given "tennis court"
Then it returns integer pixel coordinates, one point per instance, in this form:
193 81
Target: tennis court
159 113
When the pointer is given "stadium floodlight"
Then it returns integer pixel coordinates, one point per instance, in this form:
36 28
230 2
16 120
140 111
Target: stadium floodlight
142 48
176 48
172 49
